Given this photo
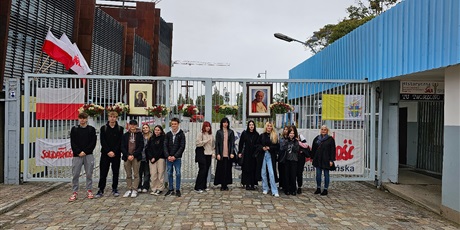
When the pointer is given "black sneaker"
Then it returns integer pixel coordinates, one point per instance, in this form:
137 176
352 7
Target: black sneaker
115 193
169 193
318 191
178 193
324 193
299 191
99 194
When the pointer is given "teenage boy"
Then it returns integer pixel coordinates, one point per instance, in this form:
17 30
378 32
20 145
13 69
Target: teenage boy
110 136
83 141
132 144
174 147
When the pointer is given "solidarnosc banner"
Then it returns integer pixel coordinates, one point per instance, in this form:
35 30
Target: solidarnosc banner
349 144
53 152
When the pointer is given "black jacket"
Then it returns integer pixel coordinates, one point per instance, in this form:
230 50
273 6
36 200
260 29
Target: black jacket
323 153
220 142
111 139
248 143
155 147
83 139
291 150
264 140
139 146
174 148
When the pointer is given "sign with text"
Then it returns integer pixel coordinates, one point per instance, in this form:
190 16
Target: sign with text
349 153
422 90
53 152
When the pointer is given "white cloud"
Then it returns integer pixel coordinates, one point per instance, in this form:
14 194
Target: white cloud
241 33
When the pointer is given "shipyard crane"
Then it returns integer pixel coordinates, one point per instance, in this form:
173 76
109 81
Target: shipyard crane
201 63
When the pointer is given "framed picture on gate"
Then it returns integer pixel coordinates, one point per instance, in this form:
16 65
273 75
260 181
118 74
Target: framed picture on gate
259 99
140 95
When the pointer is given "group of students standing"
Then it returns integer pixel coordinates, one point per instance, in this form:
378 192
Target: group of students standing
261 155
148 155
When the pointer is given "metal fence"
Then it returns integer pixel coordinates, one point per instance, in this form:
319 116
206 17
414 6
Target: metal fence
304 95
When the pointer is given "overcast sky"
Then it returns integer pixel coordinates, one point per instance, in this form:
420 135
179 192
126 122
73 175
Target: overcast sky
240 32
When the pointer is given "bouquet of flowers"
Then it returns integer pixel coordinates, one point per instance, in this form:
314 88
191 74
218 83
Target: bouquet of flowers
280 107
92 110
188 110
157 110
227 109
119 107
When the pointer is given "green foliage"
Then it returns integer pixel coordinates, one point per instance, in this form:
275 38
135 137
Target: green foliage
239 103
181 100
357 15
282 96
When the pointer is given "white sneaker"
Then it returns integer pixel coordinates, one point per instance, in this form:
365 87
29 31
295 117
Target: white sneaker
127 193
276 195
144 190
154 192
139 190
265 192
134 194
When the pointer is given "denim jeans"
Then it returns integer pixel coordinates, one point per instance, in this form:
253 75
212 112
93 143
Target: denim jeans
267 163
169 169
318 177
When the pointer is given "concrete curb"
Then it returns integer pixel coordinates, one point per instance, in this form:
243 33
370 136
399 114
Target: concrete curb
411 199
16 203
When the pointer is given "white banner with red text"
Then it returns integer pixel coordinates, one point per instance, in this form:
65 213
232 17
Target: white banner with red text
53 152
350 149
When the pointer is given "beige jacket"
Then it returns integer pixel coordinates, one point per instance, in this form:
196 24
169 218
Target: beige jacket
207 141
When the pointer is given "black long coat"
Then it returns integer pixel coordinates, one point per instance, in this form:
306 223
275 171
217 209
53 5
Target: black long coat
248 148
323 153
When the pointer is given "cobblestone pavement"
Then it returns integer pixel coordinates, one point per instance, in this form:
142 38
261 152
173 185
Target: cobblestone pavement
349 205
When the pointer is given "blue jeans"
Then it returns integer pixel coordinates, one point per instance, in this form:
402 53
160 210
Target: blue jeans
318 177
267 163
169 169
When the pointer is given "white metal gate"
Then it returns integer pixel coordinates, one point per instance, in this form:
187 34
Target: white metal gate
305 95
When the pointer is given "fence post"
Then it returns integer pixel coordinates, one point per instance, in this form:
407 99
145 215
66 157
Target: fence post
12 131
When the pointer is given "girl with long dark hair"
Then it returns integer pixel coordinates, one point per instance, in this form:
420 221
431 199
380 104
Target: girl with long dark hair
225 147
156 158
247 148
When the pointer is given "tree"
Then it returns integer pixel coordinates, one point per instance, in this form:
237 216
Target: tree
282 96
181 100
357 16
217 98
239 103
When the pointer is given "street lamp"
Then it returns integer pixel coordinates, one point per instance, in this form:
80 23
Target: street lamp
265 74
289 39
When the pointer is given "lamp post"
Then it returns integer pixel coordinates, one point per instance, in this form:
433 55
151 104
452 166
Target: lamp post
289 39
264 73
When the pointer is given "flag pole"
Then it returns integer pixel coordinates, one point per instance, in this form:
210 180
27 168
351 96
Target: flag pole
38 70
38 62
52 63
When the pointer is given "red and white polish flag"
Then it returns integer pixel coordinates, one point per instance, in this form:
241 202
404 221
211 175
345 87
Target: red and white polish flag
59 104
80 66
58 50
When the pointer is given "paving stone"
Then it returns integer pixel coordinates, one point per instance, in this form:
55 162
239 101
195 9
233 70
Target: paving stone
349 205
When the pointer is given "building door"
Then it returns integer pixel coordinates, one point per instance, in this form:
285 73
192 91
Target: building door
430 148
403 136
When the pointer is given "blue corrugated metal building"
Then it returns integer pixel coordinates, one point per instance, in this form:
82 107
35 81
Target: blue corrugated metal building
417 40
